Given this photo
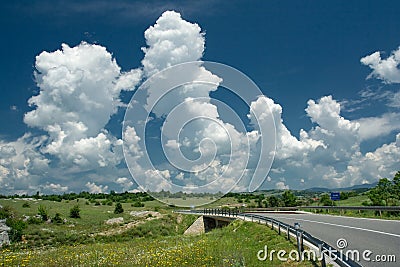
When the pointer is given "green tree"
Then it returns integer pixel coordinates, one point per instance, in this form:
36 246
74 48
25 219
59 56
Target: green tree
289 199
325 200
74 212
381 193
118 208
396 186
273 201
259 200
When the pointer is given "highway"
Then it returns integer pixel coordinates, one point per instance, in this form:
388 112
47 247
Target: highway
381 237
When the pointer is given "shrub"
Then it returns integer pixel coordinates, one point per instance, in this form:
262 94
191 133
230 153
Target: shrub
137 204
118 208
17 226
34 220
42 211
6 212
57 218
74 212
26 205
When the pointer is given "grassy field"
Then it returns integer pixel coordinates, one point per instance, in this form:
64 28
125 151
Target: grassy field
153 241
357 201
353 201
234 245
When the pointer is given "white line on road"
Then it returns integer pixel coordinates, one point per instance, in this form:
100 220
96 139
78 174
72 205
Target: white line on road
340 225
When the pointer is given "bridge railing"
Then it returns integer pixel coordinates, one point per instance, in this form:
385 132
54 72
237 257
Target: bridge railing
324 249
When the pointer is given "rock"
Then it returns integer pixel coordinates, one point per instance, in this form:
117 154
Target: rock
115 221
4 238
145 213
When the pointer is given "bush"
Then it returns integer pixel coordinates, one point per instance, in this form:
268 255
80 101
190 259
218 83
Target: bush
34 220
17 226
6 212
42 211
26 205
118 208
57 218
74 212
137 204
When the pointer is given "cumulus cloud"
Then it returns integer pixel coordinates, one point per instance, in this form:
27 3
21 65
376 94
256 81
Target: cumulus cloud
384 69
171 41
281 186
125 183
55 188
96 189
21 163
79 92
382 125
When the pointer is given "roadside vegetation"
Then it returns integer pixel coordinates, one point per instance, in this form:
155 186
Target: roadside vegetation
234 245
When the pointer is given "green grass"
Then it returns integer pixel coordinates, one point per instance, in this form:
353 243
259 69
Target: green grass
74 230
353 201
156 242
357 201
234 245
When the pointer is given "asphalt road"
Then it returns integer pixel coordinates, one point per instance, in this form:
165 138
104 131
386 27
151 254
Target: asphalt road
381 237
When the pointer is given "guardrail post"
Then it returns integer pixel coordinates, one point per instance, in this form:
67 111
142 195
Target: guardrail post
251 218
321 255
299 235
272 224
288 232
279 228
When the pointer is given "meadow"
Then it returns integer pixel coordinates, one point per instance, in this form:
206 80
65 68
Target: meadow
234 245
152 241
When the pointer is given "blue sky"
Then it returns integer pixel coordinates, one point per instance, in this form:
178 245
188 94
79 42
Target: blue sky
294 52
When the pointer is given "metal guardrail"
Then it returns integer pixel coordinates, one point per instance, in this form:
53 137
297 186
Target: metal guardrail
301 236
376 208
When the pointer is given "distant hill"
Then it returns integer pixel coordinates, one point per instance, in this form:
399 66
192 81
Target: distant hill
354 187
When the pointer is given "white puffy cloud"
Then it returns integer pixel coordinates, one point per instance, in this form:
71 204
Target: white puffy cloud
79 92
329 153
171 41
281 186
372 127
55 188
95 189
21 163
384 69
125 183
